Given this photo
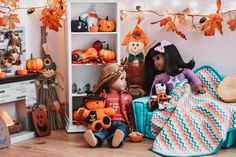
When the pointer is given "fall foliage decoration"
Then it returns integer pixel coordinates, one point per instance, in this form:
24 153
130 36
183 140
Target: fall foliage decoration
208 24
171 27
51 13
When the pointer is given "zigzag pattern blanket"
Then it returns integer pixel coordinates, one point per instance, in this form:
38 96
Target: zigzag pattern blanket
196 124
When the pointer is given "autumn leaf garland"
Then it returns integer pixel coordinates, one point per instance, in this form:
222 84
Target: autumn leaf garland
209 24
171 27
51 14
9 18
50 17
232 24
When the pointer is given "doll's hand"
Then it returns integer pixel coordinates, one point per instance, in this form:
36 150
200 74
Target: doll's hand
152 104
200 89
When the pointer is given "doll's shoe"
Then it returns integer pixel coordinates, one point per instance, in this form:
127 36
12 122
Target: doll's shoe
118 138
90 138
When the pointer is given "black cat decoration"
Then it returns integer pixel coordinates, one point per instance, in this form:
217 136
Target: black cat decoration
79 25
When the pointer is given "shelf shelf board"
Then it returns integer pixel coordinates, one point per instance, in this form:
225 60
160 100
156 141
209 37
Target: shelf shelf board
76 128
24 135
87 64
94 33
78 95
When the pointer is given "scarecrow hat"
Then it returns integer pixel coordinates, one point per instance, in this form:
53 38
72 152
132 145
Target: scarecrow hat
137 34
110 72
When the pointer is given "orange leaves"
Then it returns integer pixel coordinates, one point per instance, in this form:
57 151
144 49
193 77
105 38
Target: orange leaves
10 3
218 4
9 21
50 17
12 19
165 21
51 14
171 27
214 22
232 24
5 2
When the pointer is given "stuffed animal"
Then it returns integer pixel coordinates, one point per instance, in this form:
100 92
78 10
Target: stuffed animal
96 116
91 19
227 89
161 98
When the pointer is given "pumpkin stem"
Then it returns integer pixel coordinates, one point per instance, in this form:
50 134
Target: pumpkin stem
108 46
79 18
31 56
107 18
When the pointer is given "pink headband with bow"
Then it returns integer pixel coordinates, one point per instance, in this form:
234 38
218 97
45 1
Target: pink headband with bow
161 48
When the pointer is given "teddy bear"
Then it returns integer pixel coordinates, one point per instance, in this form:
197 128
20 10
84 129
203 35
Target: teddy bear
161 98
95 114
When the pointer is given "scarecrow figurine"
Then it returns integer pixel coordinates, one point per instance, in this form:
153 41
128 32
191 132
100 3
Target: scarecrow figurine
47 94
136 41
112 86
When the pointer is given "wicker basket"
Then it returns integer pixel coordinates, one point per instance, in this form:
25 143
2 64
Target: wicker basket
16 128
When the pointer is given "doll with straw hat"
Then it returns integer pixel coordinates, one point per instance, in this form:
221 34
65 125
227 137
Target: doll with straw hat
112 85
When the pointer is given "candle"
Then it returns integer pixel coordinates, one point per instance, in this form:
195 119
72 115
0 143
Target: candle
2 74
22 71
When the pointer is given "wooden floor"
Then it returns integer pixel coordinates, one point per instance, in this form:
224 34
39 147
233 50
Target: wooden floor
61 144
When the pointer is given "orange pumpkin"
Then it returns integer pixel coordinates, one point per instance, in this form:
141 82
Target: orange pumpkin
106 25
22 72
161 97
89 54
34 64
93 28
107 55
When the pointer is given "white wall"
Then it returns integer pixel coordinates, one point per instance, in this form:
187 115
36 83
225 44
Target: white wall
218 51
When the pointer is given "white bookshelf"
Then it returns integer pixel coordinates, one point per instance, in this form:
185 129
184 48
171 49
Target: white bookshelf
82 74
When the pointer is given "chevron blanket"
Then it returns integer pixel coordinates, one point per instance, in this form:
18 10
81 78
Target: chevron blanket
197 124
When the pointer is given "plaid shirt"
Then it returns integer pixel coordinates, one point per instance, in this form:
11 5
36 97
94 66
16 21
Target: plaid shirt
122 104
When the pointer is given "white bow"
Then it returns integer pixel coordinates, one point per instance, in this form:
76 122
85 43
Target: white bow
161 48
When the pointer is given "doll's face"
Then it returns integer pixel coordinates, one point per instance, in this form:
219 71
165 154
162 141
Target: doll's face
135 47
159 62
120 84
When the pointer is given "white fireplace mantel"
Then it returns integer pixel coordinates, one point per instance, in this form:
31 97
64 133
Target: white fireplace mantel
21 90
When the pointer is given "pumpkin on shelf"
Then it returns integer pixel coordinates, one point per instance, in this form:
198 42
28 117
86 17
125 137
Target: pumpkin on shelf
93 28
107 25
89 54
98 45
75 54
107 55
79 25
34 64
